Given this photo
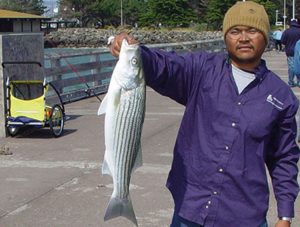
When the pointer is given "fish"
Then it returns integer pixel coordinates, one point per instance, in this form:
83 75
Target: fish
124 109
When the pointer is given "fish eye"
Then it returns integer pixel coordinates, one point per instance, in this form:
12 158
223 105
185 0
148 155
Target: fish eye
134 61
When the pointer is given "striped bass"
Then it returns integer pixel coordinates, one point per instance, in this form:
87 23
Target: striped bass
124 108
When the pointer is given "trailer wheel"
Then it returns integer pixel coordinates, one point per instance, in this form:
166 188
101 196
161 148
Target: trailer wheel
12 130
57 120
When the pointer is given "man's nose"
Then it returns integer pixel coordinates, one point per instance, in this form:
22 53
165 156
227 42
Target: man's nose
244 36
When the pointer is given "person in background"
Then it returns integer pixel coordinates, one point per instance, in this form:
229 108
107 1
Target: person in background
277 39
289 38
297 58
239 117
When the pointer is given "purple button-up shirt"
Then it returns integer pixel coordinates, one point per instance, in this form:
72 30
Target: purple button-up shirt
218 176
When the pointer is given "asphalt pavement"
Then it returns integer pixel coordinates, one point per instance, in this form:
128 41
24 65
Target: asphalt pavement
57 182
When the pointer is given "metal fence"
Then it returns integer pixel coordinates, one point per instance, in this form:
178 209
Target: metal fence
86 73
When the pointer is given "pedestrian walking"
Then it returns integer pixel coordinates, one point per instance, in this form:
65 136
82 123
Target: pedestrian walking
289 39
277 39
297 58
239 117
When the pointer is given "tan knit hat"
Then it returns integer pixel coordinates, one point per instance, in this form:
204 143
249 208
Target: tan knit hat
247 13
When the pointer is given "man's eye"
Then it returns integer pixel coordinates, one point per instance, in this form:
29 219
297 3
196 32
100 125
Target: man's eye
252 31
234 32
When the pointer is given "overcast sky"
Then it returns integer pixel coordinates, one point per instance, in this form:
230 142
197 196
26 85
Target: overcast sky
51 5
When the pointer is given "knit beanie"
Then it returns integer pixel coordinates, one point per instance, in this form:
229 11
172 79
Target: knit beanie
247 13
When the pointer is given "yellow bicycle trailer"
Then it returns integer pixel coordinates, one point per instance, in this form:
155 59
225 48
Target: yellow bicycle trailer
26 105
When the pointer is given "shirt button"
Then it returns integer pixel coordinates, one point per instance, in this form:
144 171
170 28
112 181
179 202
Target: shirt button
206 207
226 148
209 202
239 103
215 193
233 124
221 170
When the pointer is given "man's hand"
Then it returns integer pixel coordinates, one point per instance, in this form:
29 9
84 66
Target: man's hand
282 223
115 46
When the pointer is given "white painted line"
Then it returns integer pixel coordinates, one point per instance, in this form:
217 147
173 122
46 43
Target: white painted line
146 168
165 113
151 119
15 179
19 210
48 165
88 112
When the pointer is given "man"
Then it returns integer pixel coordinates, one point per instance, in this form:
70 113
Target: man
239 116
277 39
289 39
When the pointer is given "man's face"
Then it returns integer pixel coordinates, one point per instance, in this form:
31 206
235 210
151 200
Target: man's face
245 46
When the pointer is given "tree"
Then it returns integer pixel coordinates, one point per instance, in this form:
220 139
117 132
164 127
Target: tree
216 10
108 12
89 12
170 13
25 6
270 8
199 7
132 10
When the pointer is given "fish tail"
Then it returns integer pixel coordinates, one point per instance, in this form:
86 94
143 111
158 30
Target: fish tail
120 207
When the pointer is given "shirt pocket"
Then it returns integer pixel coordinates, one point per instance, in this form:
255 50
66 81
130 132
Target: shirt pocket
262 121
261 126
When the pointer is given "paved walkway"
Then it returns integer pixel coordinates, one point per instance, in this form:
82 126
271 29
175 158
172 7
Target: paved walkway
57 182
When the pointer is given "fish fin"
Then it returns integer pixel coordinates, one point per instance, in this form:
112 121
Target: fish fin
105 168
102 107
138 160
120 207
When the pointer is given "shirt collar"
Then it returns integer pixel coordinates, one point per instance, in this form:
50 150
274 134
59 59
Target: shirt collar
260 71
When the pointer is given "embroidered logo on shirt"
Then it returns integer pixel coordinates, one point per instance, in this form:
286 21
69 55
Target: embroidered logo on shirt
275 102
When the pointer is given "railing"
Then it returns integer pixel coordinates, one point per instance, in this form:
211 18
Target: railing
79 74
87 73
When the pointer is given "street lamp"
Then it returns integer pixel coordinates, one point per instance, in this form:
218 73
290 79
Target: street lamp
121 12
293 9
284 14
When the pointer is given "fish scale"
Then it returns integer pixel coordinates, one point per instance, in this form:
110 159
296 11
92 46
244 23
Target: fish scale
128 131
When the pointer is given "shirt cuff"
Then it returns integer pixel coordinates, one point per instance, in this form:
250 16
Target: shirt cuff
285 209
